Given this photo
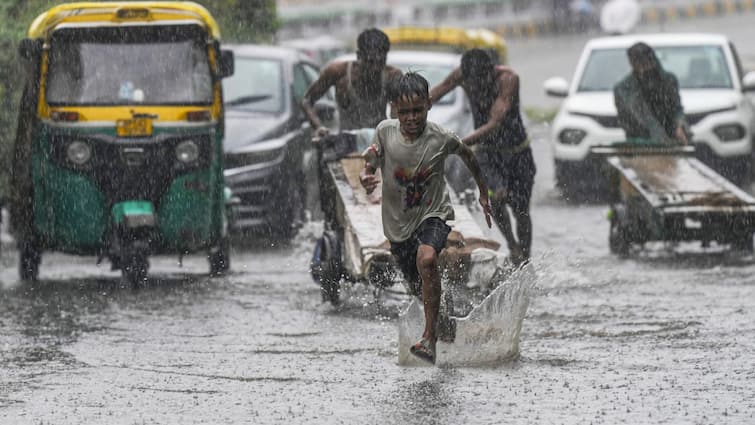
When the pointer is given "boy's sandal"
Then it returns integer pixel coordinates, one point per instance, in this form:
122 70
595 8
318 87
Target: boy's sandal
423 350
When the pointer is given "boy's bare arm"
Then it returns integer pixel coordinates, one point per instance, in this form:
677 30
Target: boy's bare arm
474 167
367 176
368 179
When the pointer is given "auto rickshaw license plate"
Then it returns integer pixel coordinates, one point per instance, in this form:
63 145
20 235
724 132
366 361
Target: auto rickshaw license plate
134 127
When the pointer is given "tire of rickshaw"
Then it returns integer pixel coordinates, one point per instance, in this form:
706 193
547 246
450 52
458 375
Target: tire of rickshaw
134 269
618 237
29 259
220 258
331 268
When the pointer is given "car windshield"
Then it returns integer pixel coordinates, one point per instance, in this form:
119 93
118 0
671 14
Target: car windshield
256 85
156 65
434 75
696 67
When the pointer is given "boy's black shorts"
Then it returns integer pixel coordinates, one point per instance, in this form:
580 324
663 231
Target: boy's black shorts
434 232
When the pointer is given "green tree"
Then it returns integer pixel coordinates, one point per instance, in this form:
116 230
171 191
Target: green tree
239 20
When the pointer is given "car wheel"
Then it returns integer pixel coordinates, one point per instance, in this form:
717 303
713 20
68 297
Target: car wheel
743 243
289 207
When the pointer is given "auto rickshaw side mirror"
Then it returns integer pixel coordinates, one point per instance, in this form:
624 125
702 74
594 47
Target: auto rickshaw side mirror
30 49
226 64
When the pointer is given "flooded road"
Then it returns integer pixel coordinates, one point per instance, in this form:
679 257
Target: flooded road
662 338
666 337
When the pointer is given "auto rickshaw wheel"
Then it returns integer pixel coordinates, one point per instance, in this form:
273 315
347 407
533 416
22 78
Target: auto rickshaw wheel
134 269
29 259
220 258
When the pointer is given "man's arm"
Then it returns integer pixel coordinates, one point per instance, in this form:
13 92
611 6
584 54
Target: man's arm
680 133
469 159
328 78
508 88
449 83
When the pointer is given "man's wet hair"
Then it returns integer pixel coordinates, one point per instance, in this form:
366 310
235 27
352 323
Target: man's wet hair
642 53
373 40
407 86
474 62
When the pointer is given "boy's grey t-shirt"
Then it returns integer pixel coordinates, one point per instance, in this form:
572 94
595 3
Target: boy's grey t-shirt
414 187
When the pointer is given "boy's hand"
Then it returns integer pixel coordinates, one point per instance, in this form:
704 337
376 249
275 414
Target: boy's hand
485 204
369 181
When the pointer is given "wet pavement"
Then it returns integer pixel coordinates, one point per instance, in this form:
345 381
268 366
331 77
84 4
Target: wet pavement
663 337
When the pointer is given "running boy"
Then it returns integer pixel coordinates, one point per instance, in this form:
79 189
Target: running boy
410 152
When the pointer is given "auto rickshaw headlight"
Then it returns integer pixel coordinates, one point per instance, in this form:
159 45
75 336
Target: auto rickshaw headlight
79 152
187 151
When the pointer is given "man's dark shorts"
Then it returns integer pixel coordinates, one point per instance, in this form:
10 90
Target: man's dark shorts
513 172
434 232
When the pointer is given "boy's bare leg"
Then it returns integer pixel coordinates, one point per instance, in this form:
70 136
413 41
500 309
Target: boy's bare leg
427 264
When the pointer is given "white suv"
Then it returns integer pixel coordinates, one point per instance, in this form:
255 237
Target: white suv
714 92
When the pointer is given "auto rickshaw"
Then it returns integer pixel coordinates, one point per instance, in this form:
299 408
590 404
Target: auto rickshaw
118 151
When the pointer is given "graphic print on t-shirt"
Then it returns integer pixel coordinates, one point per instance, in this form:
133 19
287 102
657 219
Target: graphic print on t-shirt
415 185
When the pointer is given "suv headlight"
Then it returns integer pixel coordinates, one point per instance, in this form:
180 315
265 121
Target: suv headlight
79 152
729 132
187 151
571 136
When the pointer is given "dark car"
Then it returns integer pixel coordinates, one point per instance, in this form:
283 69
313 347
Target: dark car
267 138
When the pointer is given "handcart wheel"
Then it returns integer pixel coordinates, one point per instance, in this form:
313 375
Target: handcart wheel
743 243
331 268
618 238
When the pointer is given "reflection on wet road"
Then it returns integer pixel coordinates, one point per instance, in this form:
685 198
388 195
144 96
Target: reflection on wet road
663 337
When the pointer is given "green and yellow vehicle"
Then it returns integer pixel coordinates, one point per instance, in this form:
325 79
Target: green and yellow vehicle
118 151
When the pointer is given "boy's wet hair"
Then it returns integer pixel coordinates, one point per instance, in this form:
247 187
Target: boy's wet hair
407 86
373 40
475 62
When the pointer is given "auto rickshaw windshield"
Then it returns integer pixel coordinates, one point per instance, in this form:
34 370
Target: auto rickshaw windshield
155 65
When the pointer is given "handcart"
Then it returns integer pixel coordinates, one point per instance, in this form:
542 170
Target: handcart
663 193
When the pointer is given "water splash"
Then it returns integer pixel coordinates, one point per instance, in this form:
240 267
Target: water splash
488 335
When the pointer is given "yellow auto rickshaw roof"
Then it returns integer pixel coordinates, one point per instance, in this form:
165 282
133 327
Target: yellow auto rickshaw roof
122 12
461 39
